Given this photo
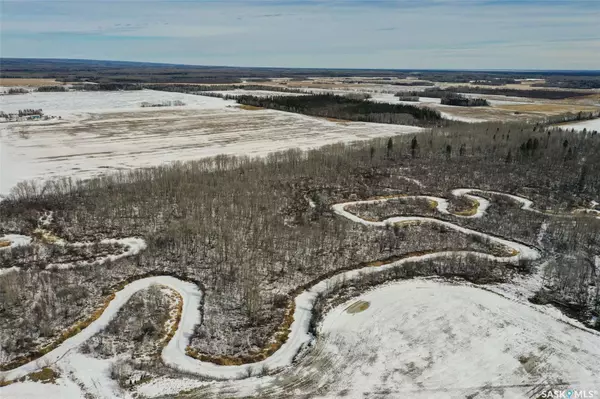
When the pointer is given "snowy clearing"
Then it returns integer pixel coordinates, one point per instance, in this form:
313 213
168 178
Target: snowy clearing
97 143
414 339
591 125
75 104
63 389
417 337
257 93
14 240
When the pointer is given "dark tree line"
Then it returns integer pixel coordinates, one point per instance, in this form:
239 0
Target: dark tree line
402 96
339 107
531 93
417 83
572 117
462 101
106 87
48 89
29 112
495 81
565 82
17 90
208 87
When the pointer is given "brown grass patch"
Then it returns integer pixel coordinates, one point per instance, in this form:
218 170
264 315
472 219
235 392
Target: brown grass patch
45 236
4 244
546 108
386 197
469 212
250 107
340 121
177 319
44 376
8 82
357 307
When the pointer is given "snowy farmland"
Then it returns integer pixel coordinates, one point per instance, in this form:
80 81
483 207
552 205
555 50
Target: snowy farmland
423 338
108 131
77 104
413 338
591 125
404 339
425 331
257 93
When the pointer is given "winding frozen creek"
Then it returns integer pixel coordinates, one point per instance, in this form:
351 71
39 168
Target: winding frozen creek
174 353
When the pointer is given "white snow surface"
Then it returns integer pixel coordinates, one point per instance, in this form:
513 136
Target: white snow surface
591 125
417 339
434 103
257 93
16 240
74 104
523 251
133 246
104 132
63 389
429 339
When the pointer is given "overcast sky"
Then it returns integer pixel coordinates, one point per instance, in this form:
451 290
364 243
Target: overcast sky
436 34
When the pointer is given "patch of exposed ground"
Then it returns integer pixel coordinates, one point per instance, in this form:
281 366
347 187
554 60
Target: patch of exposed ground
17 82
547 108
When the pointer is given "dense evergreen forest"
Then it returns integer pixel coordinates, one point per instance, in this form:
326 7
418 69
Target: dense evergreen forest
570 82
106 87
345 108
188 88
49 89
531 93
72 70
462 101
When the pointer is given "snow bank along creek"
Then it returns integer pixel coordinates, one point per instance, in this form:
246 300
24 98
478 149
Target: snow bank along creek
174 353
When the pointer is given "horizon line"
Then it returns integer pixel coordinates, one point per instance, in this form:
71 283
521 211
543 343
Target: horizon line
516 70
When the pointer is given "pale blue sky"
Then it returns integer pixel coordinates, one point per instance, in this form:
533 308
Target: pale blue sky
437 34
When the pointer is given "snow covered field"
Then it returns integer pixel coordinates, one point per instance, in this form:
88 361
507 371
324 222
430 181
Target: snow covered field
258 93
591 125
426 338
417 337
462 114
76 104
107 131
